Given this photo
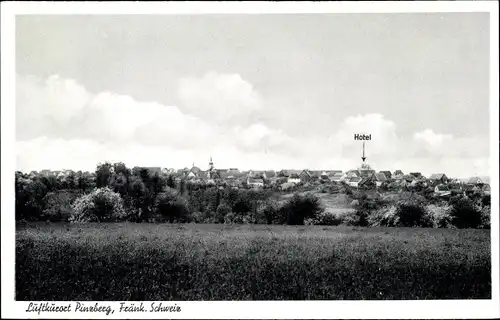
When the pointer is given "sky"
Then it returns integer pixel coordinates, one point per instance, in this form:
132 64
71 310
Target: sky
254 91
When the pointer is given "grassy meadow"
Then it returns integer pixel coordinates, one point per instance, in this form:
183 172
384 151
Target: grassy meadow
129 261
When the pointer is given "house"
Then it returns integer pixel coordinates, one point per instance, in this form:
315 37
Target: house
257 174
366 173
191 175
352 173
294 178
417 175
213 174
475 180
457 181
486 189
283 173
166 171
268 174
354 181
46 172
409 178
380 178
442 190
387 174
335 176
305 175
255 182
439 178
323 176
398 173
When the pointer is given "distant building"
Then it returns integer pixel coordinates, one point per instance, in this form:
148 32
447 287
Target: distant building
380 178
354 181
486 189
335 175
387 174
398 173
255 182
305 175
294 178
417 175
439 178
353 173
474 180
268 174
442 190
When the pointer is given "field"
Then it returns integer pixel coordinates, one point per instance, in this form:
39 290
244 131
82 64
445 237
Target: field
127 261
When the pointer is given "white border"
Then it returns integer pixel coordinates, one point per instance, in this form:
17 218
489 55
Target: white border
248 310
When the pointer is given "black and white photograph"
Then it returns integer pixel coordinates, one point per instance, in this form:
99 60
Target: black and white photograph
326 156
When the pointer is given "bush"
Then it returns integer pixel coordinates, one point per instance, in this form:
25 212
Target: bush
268 212
58 205
364 208
234 218
440 215
288 186
29 198
412 214
485 217
171 207
327 219
221 212
384 217
300 207
486 201
101 205
201 217
465 214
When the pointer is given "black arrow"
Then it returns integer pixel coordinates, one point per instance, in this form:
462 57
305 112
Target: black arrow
363 157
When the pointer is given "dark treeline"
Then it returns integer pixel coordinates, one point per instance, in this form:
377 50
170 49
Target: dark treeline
117 193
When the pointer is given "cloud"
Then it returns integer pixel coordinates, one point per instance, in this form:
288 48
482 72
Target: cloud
441 145
222 98
60 124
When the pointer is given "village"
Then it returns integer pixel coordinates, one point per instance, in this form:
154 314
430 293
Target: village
362 178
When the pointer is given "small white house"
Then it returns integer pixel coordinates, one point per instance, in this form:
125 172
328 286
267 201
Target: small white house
442 190
354 181
294 178
255 183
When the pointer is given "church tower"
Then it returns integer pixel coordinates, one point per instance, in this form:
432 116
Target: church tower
211 165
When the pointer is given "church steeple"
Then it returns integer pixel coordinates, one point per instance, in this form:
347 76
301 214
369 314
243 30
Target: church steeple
211 164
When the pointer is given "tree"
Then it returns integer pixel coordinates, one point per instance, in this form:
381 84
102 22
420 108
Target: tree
119 183
103 174
465 214
170 181
84 181
171 207
34 193
182 187
300 207
413 214
158 183
70 179
140 198
120 167
51 182
221 212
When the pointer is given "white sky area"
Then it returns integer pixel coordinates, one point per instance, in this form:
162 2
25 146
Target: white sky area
254 92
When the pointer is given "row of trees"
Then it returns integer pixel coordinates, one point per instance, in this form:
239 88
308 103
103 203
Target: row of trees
115 192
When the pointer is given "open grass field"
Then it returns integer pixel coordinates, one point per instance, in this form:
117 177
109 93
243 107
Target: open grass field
127 261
